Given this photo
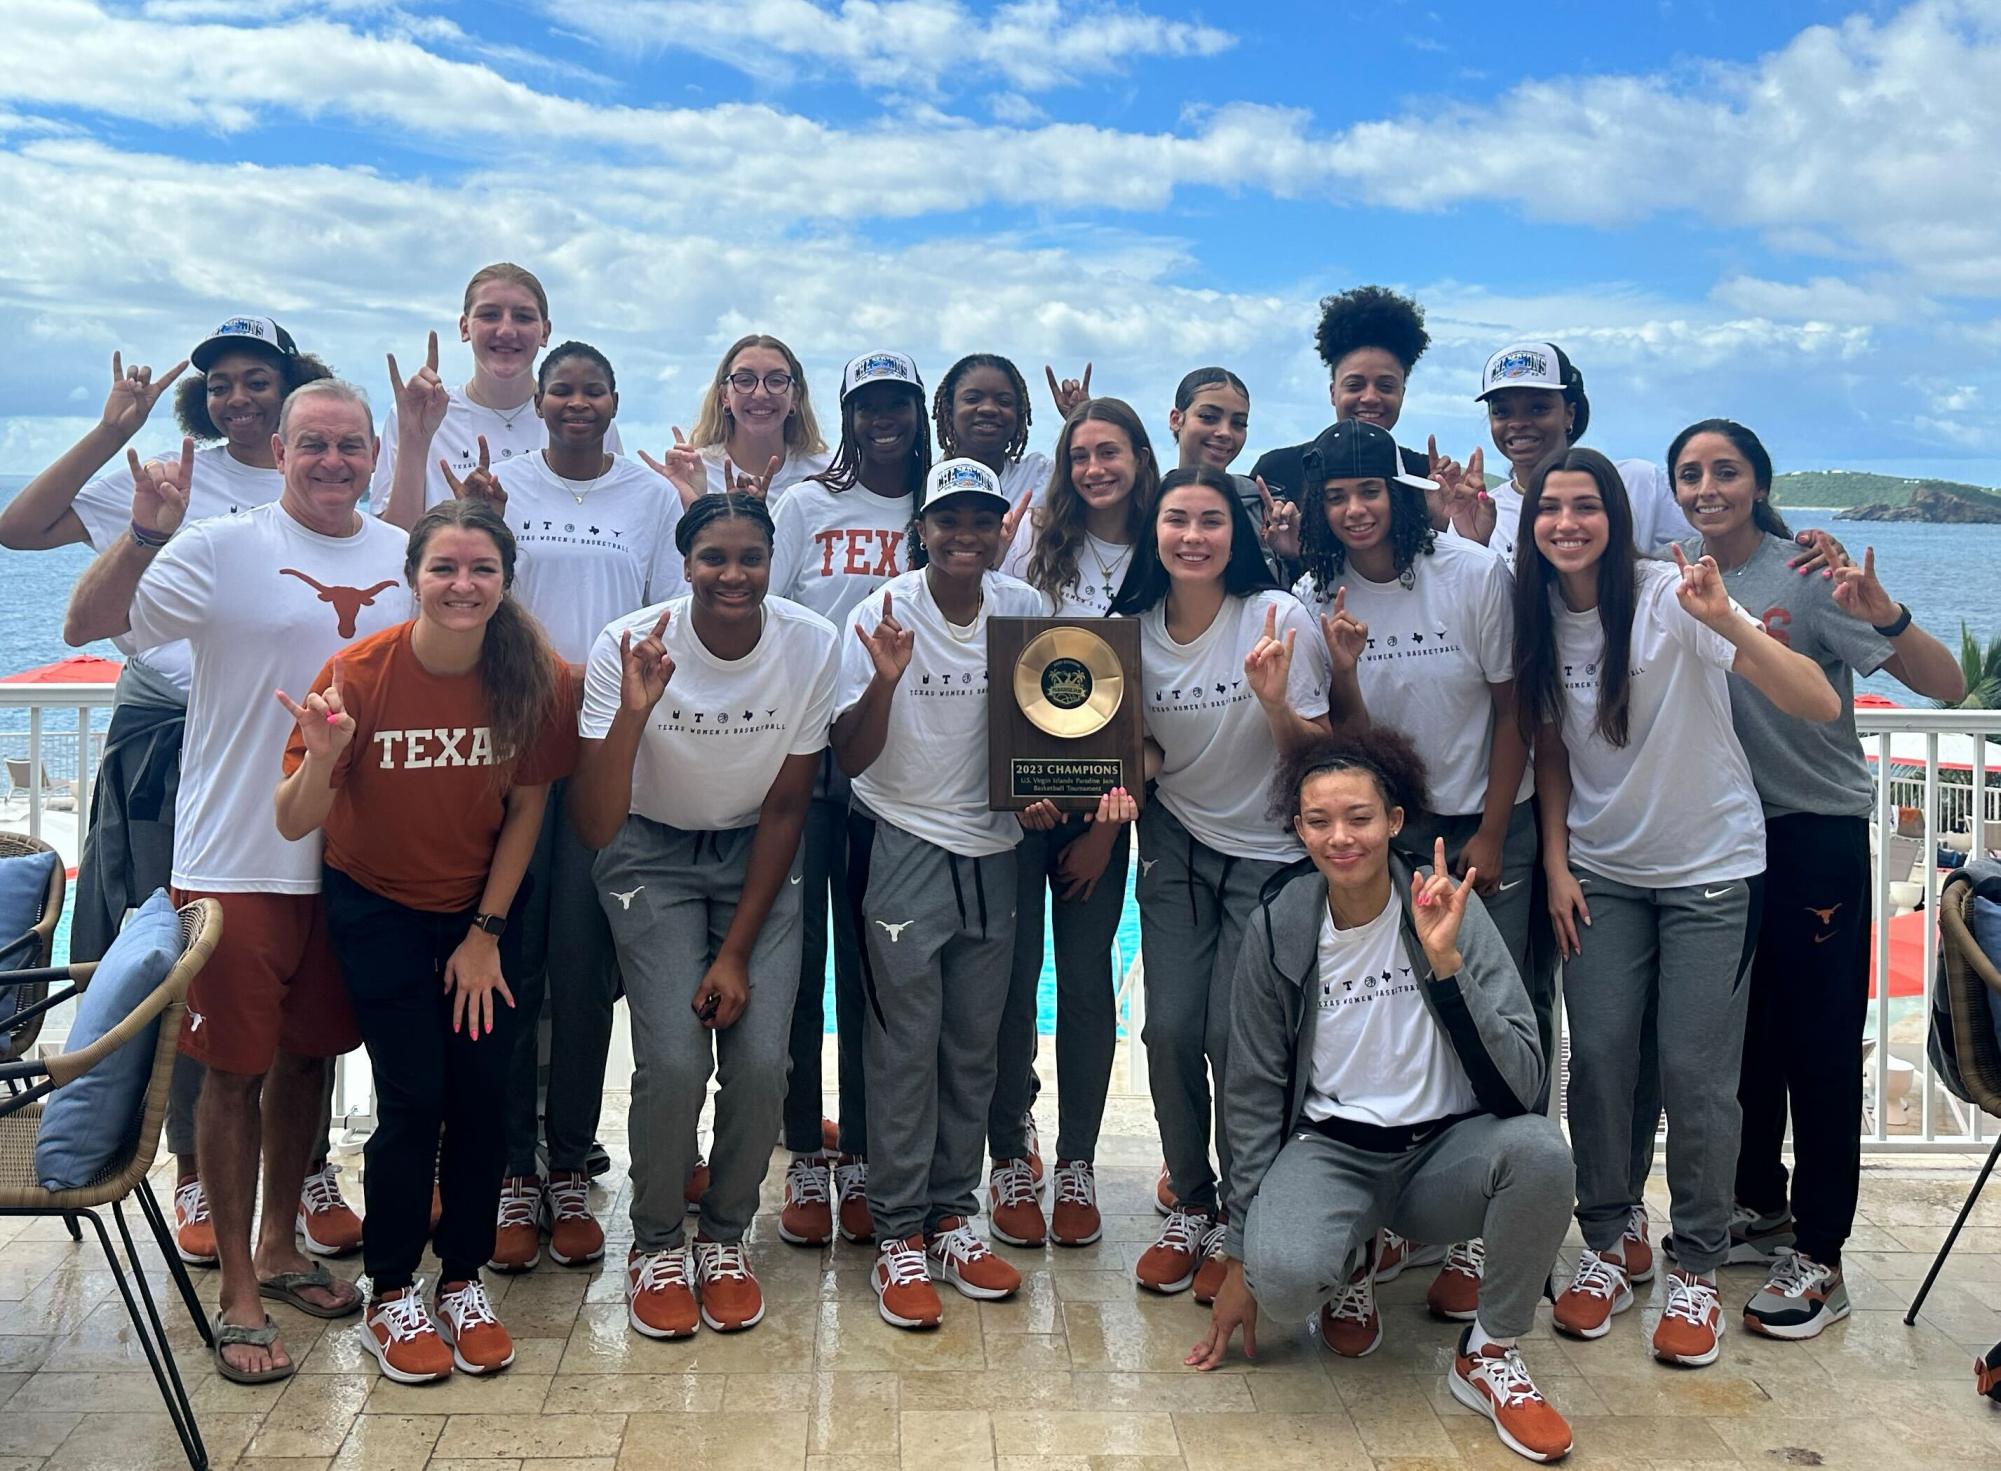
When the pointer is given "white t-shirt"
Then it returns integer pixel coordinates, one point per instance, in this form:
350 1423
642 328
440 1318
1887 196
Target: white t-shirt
715 742
263 604
1218 747
1657 517
831 549
222 486
582 566
931 778
1101 568
1029 473
1378 1057
797 467
519 431
1434 648
1676 805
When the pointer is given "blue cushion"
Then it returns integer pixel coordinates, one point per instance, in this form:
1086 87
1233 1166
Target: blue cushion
24 883
1986 916
90 1124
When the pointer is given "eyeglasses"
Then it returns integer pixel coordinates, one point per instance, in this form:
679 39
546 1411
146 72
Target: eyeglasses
774 382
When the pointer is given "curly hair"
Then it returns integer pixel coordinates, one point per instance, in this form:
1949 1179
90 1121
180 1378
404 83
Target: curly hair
191 393
1325 558
948 386
1059 521
1384 752
1371 316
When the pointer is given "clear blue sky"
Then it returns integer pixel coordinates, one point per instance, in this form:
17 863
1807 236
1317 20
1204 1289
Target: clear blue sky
1789 213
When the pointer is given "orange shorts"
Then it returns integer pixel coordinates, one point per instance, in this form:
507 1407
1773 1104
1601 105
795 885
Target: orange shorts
272 985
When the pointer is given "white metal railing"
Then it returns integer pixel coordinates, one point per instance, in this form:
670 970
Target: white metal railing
79 747
1953 808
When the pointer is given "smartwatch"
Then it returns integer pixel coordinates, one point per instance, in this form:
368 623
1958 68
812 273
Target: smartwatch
493 924
1898 625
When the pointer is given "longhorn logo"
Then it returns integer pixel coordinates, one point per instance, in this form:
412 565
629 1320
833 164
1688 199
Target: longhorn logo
347 601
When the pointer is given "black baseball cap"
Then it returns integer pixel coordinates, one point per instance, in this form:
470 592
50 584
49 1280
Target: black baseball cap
1353 449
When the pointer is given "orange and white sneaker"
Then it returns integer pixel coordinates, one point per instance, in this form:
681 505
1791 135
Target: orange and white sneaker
575 1237
1454 1293
697 1186
1169 1264
325 1220
1163 1194
902 1281
807 1218
851 1212
1634 1249
1597 1292
398 1330
1495 1382
194 1229
658 1300
1394 1253
465 1320
1014 1204
957 1256
1034 1154
1690 1331
517 1231
1214 1266
1073 1216
730 1297
1350 1323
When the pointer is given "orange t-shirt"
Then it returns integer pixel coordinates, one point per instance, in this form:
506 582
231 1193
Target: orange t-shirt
416 810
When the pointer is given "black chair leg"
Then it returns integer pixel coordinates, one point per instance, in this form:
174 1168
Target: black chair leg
152 1338
1951 1236
157 1219
75 1230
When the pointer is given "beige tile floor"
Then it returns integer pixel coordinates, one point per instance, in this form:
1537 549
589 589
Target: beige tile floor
1080 1371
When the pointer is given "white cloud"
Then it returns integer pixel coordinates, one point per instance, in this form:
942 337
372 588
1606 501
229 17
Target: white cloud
930 46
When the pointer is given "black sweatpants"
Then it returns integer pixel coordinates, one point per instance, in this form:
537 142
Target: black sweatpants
1803 1037
428 1080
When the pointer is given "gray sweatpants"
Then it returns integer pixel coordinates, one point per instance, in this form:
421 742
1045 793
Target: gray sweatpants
1193 905
1087 1018
670 896
1508 906
1680 958
1507 1180
566 959
938 936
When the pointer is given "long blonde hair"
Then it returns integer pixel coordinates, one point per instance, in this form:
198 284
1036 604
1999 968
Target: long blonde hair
1059 524
712 423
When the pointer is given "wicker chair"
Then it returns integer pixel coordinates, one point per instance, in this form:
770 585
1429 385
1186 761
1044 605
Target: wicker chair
17 1037
21 1192
1969 977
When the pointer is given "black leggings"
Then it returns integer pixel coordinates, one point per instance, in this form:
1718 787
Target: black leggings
1803 1037
428 1080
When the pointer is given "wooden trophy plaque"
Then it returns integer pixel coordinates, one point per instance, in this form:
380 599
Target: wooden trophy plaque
1063 711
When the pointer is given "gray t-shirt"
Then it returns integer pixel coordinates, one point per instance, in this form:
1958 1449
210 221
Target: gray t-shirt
1797 765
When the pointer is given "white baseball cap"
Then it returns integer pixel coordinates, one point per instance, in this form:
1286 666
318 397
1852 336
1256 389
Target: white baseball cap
964 477
1524 365
879 367
243 332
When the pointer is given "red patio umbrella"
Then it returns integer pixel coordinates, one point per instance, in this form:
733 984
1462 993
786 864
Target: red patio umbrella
76 669
1910 934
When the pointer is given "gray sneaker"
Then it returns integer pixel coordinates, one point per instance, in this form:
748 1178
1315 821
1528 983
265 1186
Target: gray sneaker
1755 1240
1799 1298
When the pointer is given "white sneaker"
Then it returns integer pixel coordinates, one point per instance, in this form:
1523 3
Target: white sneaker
729 1295
1690 1331
466 1320
397 1329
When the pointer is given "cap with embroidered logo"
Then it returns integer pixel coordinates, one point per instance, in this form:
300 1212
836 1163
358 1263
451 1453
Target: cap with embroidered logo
880 367
243 332
1523 365
963 477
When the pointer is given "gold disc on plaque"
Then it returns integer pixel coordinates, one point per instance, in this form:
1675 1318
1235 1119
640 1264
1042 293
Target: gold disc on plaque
1068 682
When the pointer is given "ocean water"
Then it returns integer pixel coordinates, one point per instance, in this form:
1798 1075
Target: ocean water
1945 574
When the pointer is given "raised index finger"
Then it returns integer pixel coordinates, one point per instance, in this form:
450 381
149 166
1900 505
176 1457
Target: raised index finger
484 460
1271 620
1264 495
1054 390
187 462
431 352
1087 380
395 377
661 627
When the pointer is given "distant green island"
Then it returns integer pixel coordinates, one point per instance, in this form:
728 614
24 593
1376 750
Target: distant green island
1843 489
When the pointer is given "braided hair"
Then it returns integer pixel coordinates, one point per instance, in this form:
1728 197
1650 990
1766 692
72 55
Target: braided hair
844 470
720 505
948 388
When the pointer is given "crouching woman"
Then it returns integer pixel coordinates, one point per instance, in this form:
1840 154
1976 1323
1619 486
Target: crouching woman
1383 1073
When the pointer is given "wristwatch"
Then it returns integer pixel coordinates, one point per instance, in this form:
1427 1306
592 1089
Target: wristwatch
493 924
1898 625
